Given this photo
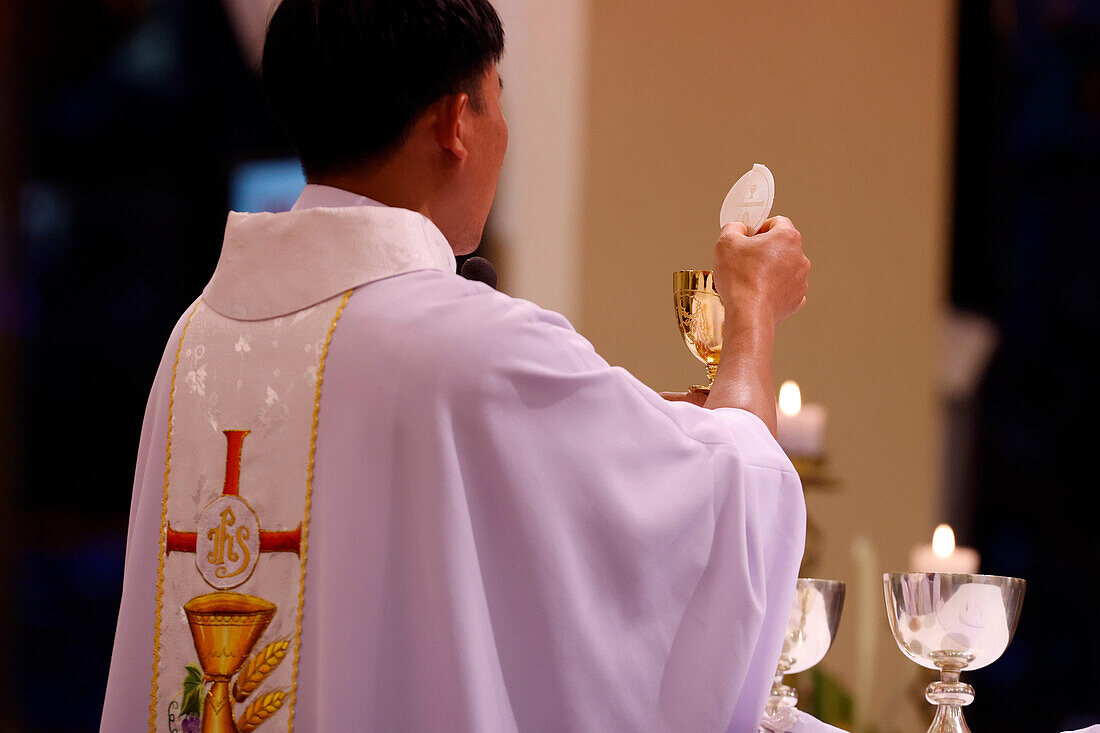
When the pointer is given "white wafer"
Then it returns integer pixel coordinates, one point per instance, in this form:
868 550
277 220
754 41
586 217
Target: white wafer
749 201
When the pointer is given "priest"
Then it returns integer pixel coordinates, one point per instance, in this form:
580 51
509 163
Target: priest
373 495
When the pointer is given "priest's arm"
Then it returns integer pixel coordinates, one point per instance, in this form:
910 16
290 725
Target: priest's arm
645 549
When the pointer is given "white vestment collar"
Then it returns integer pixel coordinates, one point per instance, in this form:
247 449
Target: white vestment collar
330 242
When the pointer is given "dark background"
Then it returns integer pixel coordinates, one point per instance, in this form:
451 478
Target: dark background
127 119
121 123
1024 254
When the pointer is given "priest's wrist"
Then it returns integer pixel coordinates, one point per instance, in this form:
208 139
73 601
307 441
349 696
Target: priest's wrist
744 378
748 319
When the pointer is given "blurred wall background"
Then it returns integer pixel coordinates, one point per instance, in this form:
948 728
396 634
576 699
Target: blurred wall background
933 154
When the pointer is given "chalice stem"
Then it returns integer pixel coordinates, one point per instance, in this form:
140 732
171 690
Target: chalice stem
949 694
712 372
217 709
782 696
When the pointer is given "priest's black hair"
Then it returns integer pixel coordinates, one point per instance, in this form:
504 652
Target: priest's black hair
347 78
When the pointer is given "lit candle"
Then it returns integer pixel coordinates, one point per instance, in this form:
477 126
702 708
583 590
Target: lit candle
801 427
942 556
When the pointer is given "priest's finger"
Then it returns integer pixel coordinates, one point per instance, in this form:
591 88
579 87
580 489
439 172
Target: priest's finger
697 398
734 227
775 222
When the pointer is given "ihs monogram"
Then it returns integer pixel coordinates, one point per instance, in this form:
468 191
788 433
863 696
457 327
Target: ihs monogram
229 541
223 538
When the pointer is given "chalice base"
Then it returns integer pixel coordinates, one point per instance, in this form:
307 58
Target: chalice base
781 696
712 372
949 719
779 712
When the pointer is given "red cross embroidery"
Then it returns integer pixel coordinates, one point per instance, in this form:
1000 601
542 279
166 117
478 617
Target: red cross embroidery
270 541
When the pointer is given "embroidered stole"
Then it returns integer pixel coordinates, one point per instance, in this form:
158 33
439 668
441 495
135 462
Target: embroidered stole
243 411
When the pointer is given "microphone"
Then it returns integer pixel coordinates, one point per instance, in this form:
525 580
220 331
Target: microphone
480 269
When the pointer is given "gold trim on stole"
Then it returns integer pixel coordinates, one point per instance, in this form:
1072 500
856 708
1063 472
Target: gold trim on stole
305 521
163 536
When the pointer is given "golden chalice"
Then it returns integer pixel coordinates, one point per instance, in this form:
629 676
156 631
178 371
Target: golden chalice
700 315
225 627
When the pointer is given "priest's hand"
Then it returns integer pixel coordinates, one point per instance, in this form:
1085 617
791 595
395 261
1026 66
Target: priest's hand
762 280
764 275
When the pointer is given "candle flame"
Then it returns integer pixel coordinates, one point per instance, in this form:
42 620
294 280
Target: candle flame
790 398
943 540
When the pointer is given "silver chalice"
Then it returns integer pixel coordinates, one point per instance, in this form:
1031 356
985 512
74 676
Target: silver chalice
952 622
811 628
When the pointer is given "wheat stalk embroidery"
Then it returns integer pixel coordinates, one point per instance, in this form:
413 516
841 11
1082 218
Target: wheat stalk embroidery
259 710
260 666
251 676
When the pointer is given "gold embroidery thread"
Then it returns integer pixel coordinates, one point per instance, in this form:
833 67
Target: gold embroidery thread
162 538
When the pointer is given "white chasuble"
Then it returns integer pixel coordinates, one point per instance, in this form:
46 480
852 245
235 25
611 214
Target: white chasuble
431 507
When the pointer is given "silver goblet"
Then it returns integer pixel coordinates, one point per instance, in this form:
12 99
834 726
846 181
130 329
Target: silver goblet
952 622
815 617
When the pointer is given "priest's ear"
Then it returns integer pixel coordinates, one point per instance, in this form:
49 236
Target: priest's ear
449 123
